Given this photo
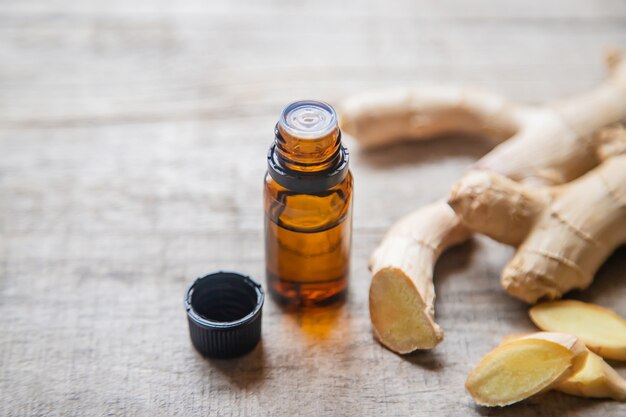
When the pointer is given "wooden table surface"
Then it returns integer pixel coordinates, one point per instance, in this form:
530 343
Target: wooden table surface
133 137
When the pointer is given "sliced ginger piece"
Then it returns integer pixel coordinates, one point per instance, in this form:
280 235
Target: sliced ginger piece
591 376
527 367
602 330
401 319
522 368
569 341
596 379
518 370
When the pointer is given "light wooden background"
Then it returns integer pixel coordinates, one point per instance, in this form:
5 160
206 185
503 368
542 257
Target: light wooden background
133 137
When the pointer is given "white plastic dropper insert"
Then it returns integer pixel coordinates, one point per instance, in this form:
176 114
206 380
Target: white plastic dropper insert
308 119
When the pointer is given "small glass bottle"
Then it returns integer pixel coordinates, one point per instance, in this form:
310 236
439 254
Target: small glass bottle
308 207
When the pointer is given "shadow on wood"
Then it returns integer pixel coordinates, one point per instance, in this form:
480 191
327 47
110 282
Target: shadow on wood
428 360
549 404
455 259
609 278
414 151
243 372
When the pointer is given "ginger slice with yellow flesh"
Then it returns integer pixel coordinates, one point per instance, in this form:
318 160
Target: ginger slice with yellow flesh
602 330
591 376
392 299
596 379
522 368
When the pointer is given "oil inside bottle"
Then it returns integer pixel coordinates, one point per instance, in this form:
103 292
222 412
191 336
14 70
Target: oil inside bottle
308 218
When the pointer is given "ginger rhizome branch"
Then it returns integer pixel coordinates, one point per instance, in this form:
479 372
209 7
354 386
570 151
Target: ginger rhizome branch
402 294
541 145
564 234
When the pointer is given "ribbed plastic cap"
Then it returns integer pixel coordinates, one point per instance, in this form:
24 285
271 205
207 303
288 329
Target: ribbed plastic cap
224 312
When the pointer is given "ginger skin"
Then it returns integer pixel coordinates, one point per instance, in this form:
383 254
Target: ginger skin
561 236
402 294
541 146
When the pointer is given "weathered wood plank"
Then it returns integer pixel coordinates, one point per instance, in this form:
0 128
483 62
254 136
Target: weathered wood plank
133 66
132 147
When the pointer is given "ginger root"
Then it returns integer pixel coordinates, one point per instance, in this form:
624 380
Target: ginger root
602 331
564 233
543 145
402 295
521 368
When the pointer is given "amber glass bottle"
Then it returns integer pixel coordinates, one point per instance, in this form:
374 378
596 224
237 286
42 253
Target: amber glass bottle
308 207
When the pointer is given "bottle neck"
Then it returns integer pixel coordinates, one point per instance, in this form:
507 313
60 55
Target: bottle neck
308 155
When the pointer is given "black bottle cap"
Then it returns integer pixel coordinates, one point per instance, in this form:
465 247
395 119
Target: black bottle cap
224 313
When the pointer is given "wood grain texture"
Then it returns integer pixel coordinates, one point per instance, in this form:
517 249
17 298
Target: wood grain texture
132 147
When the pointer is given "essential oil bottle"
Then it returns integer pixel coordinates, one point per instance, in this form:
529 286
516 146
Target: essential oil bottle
308 207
